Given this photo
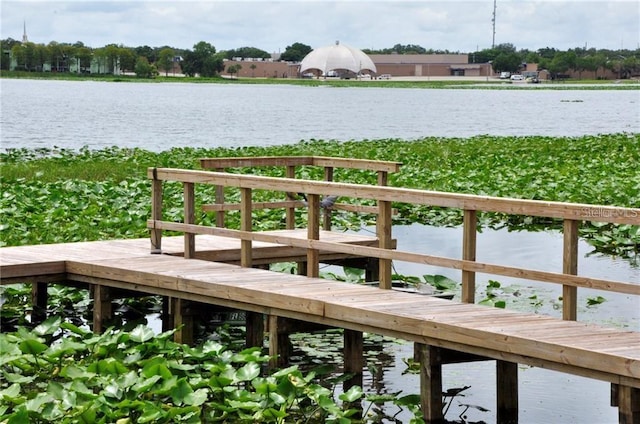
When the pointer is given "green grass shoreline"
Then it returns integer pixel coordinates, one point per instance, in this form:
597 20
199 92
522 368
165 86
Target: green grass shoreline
432 83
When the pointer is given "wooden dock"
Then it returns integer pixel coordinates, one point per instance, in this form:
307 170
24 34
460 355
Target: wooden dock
216 265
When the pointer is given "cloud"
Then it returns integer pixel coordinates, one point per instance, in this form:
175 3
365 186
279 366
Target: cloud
273 25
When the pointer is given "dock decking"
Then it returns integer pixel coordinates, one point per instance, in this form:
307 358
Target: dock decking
578 348
216 265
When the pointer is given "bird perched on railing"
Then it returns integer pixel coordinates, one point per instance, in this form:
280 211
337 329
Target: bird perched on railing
327 202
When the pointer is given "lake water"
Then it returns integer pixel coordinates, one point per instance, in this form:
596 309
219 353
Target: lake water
38 114
72 114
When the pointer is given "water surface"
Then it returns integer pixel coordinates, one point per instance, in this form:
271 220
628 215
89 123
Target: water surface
73 114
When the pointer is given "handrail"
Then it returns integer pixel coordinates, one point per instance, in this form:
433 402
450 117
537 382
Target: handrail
571 214
383 168
320 161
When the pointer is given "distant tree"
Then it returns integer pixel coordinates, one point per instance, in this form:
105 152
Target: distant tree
39 56
234 69
127 59
506 62
561 63
100 55
147 52
144 69
203 60
247 52
295 52
253 69
112 55
83 56
547 52
18 54
6 47
165 60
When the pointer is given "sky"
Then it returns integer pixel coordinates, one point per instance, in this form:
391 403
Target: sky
454 25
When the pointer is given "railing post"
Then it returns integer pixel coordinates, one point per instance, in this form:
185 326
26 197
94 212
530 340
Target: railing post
383 230
246 211
326 223
291 211
156 213
219 199
570 266
313 233
469 225
189 218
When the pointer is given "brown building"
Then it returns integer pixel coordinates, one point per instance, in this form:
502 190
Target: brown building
397 65
262 68
423 65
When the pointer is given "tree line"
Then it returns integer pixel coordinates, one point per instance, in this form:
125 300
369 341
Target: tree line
204 60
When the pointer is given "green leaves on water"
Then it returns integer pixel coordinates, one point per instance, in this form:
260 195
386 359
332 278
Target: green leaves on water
60 373
92 195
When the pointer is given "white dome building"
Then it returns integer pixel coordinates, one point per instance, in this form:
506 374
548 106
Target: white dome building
336 58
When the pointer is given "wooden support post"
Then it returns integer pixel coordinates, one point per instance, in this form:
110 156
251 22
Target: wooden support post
507 392
470 222
430 382
628 405
278 342
189 218
570 266
246 211
326 215
39 298
156 214
219 199
291 211
313 233
102 309
353 358
383 229
254 323
182 321
372 270
167 313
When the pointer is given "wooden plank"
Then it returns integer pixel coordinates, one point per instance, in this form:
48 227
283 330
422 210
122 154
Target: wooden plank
313 233
26 269
290 211
156 214
570 266
289 204
365 251
326 216
383 231
575 211
189 218
246 221
469 231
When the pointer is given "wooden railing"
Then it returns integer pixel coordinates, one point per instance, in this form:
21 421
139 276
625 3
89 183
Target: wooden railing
291 165
571 214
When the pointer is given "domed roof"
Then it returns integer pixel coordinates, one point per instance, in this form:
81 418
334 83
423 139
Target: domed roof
338 56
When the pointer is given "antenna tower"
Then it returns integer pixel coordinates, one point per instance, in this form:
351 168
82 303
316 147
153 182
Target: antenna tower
493 21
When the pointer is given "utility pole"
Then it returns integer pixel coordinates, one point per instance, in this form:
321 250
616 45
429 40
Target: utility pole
493 21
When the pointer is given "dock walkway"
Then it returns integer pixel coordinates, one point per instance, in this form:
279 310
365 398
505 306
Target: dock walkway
202 266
